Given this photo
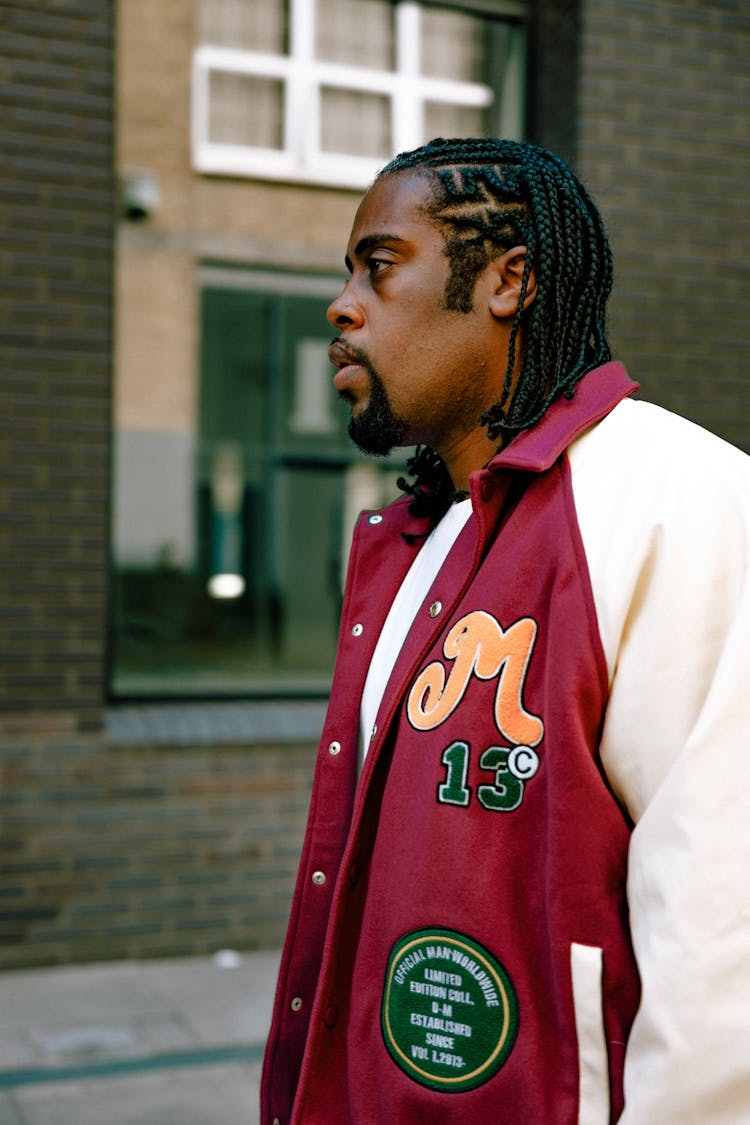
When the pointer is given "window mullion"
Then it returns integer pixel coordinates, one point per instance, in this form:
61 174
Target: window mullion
406 104
199 109
303 98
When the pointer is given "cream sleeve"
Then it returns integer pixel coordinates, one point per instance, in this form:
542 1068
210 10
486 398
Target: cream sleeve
664 512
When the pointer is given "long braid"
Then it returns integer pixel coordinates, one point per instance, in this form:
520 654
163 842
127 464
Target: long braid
490 195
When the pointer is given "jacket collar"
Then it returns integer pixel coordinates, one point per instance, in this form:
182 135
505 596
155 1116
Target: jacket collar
599 391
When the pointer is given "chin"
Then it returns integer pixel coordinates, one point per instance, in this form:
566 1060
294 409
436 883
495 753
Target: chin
375 444
374 426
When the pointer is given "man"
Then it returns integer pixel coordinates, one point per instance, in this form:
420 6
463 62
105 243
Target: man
523 895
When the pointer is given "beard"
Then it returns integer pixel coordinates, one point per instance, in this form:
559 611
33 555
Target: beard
377 429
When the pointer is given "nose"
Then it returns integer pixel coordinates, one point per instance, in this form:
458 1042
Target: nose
342 313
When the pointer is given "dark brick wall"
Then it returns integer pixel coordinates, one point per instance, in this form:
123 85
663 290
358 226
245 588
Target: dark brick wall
116 849
552 75
56 230
664 144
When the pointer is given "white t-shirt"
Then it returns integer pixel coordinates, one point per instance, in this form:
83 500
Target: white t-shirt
407 601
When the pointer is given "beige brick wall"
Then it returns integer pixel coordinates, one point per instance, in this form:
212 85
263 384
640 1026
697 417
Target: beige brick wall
156 333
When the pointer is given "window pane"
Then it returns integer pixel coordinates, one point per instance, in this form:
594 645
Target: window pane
452 45
357 32
505 73
354 123
258 25
246 110
229 574
441 120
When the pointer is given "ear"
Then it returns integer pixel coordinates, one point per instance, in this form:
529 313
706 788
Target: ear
508 276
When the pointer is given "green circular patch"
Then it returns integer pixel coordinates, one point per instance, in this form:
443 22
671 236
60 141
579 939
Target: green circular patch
450 1013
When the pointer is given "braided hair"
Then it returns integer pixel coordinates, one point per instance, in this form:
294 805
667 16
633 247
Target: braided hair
487 196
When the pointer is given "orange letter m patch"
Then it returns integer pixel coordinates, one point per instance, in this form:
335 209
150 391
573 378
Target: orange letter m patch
479 646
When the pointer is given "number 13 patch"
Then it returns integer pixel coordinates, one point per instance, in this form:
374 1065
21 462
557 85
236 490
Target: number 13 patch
511 766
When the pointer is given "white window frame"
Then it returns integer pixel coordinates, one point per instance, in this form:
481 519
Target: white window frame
301 160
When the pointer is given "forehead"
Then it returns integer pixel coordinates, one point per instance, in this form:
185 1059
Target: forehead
394 205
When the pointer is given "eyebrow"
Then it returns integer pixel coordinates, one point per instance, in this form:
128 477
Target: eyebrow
368 242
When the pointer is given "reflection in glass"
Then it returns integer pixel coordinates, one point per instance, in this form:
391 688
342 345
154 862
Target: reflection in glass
312 412
452 45
444 120
357 32
355 123
259 25
246 109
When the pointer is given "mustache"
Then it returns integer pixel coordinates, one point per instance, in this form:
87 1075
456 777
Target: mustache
340 352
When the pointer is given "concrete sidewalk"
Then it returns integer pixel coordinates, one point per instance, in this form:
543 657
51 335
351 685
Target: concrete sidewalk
174 1042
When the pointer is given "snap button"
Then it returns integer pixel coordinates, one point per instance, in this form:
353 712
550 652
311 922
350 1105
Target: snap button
358 630
330 1016
435 608
296 1003
334 748
319 878
375 519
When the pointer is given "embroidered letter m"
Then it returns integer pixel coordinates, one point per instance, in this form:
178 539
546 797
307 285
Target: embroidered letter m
479 646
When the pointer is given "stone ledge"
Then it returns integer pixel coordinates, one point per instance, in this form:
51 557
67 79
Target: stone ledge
191 723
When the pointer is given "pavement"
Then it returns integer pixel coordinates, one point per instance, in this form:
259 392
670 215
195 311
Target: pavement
168 1042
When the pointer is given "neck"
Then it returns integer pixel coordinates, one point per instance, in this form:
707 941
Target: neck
472 452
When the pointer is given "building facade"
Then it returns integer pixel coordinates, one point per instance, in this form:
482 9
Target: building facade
178 184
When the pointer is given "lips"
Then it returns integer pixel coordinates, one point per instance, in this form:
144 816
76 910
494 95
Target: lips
349 362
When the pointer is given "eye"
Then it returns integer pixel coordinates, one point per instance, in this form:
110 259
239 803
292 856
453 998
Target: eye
377 266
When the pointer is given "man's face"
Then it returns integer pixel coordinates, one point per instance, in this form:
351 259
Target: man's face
412 370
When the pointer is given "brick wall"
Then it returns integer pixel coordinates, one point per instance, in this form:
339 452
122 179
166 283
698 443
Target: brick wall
56 217
665 147
127 845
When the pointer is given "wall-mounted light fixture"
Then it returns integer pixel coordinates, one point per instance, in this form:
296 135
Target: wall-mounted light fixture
139 194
